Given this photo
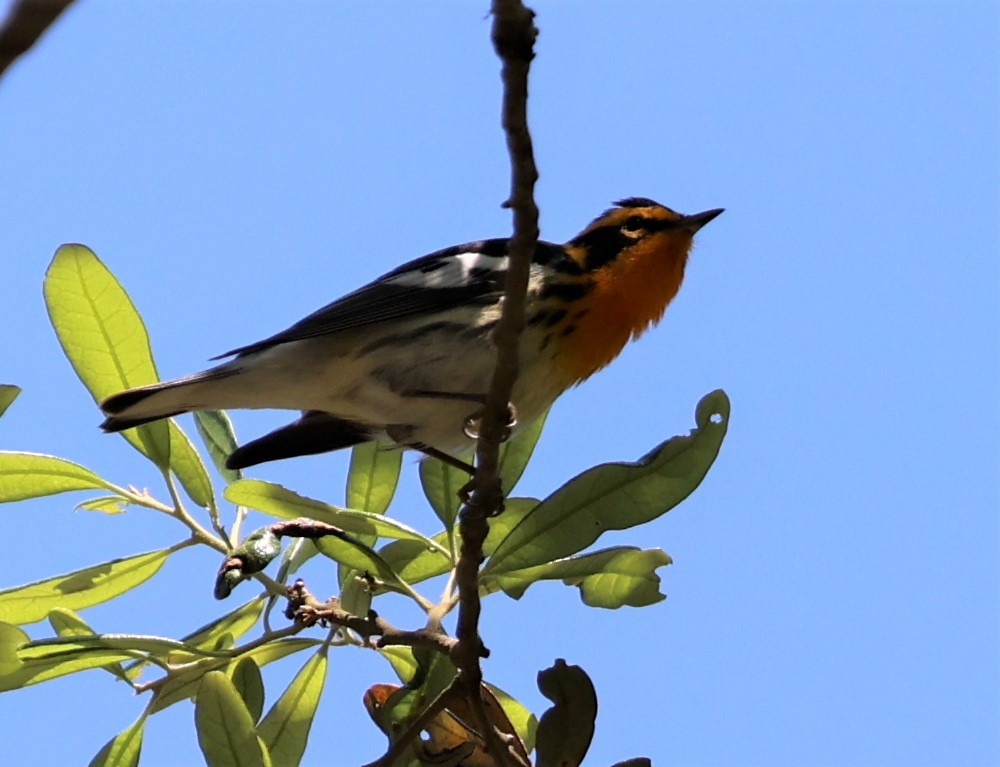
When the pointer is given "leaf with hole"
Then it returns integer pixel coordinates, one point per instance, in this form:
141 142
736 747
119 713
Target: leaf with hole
615 496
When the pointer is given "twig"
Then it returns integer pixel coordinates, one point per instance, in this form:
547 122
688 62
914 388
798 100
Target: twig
513 37
25 23
304 608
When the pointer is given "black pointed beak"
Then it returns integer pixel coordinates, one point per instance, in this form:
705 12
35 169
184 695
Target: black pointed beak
698 220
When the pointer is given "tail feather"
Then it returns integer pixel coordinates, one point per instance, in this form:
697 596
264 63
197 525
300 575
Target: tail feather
314 432
112 424
145 404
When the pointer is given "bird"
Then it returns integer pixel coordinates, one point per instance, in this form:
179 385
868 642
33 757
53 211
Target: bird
406 360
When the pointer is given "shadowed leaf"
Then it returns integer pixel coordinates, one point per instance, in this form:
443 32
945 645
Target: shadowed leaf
8 393
566 729
83 588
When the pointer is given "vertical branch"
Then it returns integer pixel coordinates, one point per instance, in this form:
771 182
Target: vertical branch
513 37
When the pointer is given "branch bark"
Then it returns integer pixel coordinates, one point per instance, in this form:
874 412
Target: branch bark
513 36
25 23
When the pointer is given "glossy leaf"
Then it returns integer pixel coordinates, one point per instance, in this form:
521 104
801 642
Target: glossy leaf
79 589
611 578
124 749
33 475
8 393
226 730
285 504
216 430
566 729
373 477
615 496
285 729
103 336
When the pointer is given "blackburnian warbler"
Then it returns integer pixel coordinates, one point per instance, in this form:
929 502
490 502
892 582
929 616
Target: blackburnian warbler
407 359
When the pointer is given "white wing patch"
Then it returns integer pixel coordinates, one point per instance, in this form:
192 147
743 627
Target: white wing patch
451 270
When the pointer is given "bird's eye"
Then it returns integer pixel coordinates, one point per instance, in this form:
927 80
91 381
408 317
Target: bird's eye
634 225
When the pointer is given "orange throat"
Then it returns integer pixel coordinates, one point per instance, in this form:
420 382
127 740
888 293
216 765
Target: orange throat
628 297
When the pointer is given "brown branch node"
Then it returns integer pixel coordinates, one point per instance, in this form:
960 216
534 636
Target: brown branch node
307 610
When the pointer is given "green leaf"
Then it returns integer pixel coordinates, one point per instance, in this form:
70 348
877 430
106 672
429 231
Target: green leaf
106 504
226 731
124 749
32 475
76 646
441 484
515 453
615 496
402 661
79 589
188 467
216 430
358 556
246 678
103 336
285 729
285 504
566 729
11 640
8 393
611 578
415 562
372 477
219 634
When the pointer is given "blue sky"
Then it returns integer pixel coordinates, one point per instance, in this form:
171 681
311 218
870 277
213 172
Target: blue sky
835 589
